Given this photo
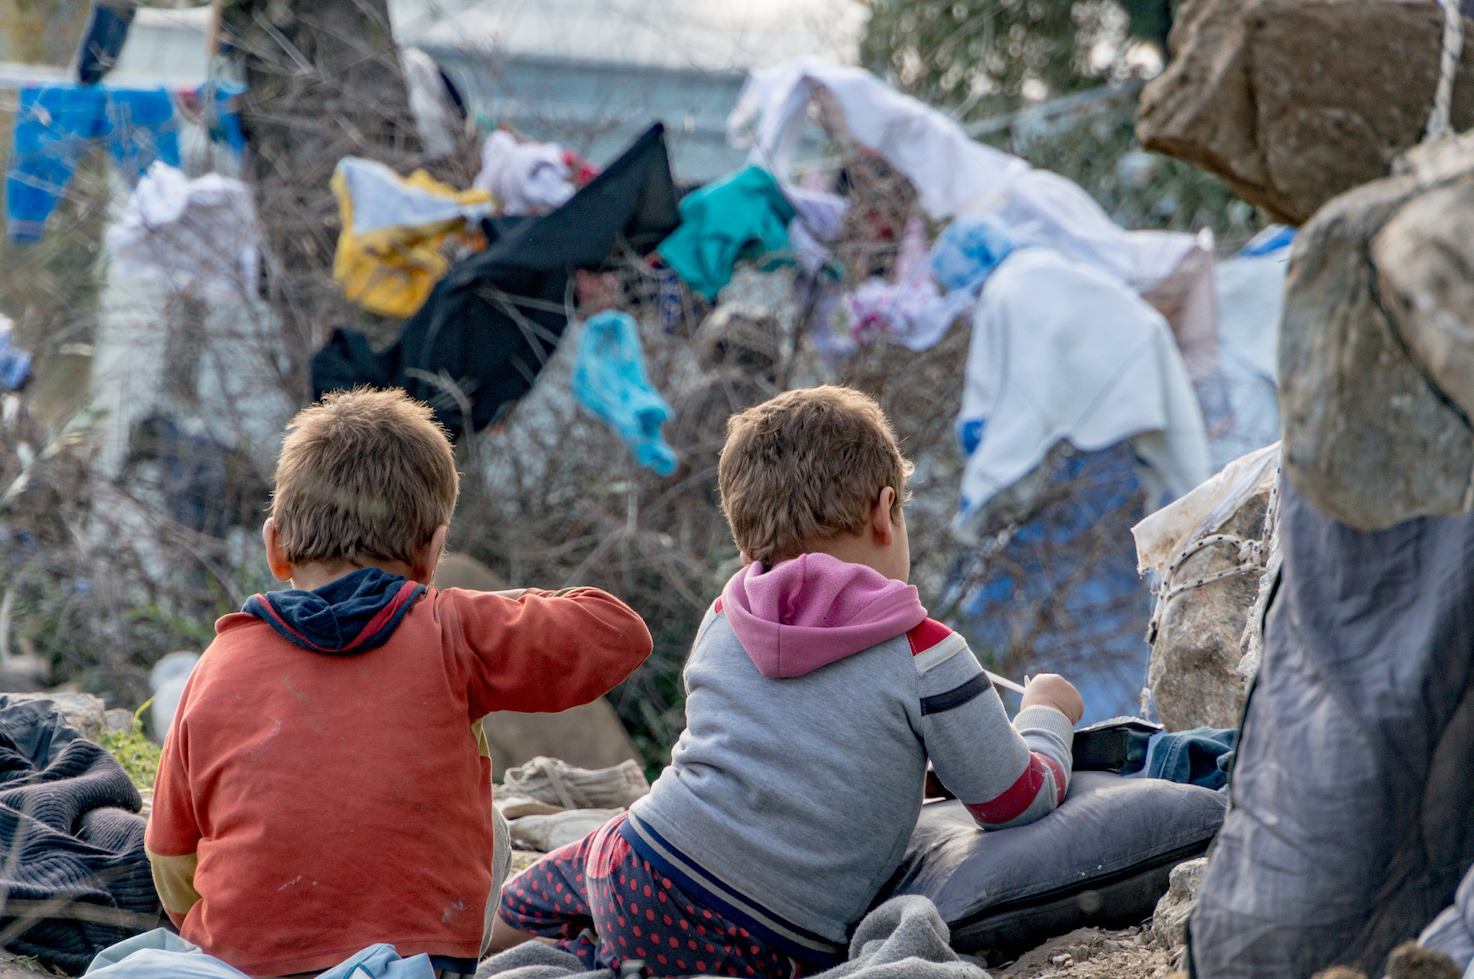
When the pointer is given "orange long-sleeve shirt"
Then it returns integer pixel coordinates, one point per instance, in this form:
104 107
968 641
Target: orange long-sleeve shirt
332 802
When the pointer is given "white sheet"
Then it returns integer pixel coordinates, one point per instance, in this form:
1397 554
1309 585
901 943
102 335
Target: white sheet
1061 351
953 174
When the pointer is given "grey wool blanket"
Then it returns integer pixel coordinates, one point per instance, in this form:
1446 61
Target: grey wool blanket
904 938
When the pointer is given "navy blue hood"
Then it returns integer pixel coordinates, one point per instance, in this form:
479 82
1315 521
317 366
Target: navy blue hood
351 615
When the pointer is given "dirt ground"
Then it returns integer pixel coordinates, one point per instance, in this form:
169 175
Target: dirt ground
1092 953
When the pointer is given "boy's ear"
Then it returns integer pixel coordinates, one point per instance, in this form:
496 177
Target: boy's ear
425 563
276 556
882 527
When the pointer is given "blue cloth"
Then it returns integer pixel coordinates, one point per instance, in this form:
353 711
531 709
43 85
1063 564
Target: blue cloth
56 124
609 380
1271 239
1061 594
103 41
220 101
161 954
1199 756
336 618
15 365
967 252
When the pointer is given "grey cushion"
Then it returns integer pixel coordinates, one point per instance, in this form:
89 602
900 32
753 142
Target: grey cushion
1100 859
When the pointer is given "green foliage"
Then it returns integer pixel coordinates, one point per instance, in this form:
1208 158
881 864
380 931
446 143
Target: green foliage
1168 193
981 56
981 59
138 755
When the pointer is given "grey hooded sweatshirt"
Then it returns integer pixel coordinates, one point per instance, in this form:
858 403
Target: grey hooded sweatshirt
815 693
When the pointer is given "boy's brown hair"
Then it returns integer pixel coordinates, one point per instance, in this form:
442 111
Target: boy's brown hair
804 467
363 476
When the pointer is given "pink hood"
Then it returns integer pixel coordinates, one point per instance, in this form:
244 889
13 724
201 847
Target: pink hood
813 610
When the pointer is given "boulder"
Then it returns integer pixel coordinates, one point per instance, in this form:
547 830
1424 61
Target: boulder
1208 551
1252 642
83 711
1368 436
590 736
1198 634
1293 102
1424 258
1169 921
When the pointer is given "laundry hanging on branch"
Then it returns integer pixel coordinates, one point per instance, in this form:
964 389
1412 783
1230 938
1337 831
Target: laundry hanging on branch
527 178
609 380
56 124
1039 372
490 326
198 236
391 251
953 174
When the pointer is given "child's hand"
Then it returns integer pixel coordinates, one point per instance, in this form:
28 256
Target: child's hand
1053 690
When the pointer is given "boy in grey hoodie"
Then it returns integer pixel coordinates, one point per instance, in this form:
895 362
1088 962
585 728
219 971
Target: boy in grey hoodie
816 690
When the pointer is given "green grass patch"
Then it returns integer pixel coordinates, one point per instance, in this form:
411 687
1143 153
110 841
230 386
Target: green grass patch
138 755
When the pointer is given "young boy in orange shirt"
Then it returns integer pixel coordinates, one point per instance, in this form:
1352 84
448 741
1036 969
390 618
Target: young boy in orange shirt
325 785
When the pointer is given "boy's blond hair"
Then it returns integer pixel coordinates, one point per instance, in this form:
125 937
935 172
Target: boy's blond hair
363 476
804 467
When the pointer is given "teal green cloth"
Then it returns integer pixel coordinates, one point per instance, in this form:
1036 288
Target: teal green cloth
742 215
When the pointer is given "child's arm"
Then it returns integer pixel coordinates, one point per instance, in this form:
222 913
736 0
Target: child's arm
1006 774
173 836
547 651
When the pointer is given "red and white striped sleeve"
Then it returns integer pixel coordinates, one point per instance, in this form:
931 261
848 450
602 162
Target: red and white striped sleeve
1006 774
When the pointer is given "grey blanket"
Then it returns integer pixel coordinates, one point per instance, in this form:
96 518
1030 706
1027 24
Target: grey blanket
904 938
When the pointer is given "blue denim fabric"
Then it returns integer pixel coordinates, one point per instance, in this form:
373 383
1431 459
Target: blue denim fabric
1200 756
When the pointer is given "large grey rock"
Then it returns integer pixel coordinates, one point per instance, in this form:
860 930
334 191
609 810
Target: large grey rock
83 711
1425 270
1368 437
1169 921
1295 101
1197 634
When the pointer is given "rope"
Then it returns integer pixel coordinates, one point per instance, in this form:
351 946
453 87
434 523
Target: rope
1249 553
1448 63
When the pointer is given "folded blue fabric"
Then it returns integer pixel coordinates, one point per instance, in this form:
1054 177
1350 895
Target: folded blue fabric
1200 756
161 954
609 380
56 124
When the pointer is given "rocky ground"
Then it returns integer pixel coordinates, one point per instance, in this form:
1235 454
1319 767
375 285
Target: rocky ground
1093 953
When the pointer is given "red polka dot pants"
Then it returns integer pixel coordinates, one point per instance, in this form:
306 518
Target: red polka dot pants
605 904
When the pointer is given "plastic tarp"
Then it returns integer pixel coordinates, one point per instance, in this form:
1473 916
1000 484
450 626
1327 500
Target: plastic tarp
1348 828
